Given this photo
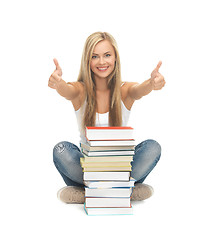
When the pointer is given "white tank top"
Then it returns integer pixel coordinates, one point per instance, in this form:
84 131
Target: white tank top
101 119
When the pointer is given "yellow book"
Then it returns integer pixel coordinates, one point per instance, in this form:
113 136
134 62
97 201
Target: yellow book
104 164
108 159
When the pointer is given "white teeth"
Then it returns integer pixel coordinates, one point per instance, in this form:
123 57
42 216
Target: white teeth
102 68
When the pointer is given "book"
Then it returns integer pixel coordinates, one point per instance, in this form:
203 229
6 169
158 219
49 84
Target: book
106 169
108 192
106 133
109 184
108 153
108 211
106 176
107 158
107 202
100 143
87 147
104 164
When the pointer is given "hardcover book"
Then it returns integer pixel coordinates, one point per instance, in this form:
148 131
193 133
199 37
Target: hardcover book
87 147
109 133
108 192
104 164
108 153
107 158
108 211
110 184
107 202
106 169
109 143
106 176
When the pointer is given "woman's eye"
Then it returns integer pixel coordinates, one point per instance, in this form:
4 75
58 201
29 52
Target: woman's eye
94 56
107 55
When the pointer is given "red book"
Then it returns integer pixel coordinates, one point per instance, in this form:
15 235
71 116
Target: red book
109 133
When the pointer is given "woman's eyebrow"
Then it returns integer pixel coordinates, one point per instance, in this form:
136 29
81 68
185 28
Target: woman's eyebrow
98 54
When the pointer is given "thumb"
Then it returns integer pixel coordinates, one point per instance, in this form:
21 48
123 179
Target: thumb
158 66
57 64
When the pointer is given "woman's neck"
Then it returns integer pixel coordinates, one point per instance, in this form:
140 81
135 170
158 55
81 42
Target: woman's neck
101 84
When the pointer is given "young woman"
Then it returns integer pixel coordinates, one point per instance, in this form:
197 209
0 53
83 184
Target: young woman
100 98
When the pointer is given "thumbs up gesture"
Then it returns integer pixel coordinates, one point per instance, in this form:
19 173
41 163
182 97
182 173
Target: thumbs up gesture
55 77
157 80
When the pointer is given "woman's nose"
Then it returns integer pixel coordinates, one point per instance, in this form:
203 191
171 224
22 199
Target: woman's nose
101 60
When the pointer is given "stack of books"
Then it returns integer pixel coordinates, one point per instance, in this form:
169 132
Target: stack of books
106 164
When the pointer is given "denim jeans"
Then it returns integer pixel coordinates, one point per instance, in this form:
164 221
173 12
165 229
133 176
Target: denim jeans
66 157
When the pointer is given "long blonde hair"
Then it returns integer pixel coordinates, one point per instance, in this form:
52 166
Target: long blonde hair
114 82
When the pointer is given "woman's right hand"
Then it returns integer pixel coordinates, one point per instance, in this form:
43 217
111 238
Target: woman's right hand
55 78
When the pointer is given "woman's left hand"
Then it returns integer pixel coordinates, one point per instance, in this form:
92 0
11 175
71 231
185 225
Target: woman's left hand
157 80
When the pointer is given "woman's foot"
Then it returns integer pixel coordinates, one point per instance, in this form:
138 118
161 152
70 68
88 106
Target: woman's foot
141 192
70 194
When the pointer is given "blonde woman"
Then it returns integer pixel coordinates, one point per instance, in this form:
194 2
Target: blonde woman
100 98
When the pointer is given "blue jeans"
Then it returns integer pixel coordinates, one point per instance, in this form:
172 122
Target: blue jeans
66 157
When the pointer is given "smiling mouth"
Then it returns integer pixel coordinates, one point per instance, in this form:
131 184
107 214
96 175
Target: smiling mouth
102 69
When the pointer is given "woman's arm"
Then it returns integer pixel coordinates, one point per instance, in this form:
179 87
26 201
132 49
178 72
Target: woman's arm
137 91
67 90
156 82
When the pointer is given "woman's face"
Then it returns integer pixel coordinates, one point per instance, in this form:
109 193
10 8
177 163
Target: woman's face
103 59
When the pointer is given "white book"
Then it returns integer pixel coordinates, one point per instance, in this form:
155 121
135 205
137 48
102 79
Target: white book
108 192
107 158
108 153
106 176
112 143
107 202
106 169
109 133
108 211
109 184
87 147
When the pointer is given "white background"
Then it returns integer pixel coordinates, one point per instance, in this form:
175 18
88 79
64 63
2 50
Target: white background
34 117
